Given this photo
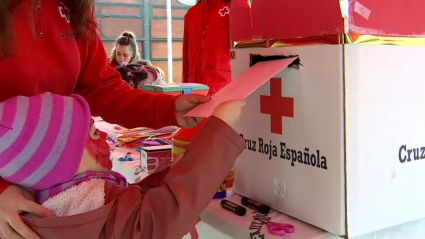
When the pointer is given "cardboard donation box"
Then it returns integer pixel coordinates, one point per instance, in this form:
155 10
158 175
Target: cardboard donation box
155 158
338 143
329 143
279 19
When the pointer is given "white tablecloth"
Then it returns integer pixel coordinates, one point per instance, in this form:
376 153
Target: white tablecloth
217 223
131 170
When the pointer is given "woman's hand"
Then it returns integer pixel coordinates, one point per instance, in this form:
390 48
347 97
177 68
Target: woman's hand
184 103
13 201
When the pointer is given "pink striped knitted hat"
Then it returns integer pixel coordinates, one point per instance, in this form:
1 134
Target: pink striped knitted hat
42 139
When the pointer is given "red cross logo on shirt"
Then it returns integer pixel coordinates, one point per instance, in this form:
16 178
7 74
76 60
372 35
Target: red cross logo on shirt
64 12
276 106
224 11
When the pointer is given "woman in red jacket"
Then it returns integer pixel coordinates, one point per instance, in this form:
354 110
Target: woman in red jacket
206 44
56 45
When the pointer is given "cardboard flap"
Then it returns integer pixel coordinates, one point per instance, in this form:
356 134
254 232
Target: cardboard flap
242 86
277 19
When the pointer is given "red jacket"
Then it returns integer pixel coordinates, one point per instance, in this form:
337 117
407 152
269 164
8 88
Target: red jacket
164 205
53 61
206 44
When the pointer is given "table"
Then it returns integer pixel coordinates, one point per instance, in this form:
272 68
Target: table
217 223
131 170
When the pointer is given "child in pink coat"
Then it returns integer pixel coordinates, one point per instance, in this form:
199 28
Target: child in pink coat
48 144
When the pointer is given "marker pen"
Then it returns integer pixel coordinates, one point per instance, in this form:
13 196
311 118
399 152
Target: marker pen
259 207
233 207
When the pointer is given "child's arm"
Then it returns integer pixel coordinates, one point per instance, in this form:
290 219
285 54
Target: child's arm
153 180
170 210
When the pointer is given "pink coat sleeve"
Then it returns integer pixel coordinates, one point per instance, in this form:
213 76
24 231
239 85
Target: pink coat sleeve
169 211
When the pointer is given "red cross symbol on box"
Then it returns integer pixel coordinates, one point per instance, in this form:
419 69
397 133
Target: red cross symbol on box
276 106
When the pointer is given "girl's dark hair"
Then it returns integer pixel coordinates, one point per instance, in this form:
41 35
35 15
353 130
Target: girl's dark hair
126 39
81 16
131 75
